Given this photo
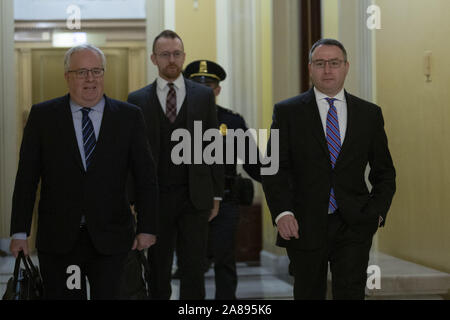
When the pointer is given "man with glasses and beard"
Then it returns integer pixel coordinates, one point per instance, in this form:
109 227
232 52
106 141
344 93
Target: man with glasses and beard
189 193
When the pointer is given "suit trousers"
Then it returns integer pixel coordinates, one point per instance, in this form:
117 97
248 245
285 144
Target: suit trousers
179 218
222 247
102 271
347 252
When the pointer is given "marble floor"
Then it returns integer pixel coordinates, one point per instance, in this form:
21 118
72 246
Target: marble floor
254 283
400 280
258 283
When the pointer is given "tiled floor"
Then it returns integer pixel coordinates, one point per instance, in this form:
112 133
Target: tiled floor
253 283
400 280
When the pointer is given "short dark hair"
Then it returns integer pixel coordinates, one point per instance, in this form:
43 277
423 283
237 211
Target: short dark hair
327 42
166 34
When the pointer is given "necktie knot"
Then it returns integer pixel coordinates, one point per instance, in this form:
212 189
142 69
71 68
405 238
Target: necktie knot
331 101
85 111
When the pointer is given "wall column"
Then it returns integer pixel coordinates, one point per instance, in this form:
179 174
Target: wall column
8 119
155 24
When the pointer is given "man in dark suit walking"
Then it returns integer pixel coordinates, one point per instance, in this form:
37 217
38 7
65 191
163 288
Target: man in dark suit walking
319 200
82 147
189 192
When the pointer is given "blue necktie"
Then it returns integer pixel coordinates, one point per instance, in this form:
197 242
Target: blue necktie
334 144
88 136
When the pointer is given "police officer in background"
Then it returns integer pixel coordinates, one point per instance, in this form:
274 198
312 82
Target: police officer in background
222 229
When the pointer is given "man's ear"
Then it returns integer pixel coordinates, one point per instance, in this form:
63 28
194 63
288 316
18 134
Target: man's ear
153 58
217 90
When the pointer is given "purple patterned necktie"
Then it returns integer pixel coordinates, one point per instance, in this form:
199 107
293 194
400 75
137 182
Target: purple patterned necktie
334 144
171 103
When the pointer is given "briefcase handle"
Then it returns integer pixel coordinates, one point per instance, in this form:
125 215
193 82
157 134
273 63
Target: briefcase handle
26 262
33 268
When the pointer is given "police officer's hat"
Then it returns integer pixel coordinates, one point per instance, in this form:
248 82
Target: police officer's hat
204 71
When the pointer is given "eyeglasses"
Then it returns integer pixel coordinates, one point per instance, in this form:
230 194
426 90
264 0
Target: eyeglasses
334 63
166 55
83 73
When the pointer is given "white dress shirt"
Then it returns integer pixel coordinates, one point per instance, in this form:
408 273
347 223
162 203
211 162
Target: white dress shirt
323 106
162 89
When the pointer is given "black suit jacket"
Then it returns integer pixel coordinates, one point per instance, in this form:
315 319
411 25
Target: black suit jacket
50 152
205 181
305 177
233 120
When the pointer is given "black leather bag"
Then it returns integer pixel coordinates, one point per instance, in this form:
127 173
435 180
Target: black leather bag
244 190
135 278
25 284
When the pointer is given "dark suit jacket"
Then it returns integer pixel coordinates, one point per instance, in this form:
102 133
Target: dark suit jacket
302 184
233 120
205 181
50 152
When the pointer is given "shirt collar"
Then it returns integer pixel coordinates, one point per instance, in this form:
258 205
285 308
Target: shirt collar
319 95
162 83
99 107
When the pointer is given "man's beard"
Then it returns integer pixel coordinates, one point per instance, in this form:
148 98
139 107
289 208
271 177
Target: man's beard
172 72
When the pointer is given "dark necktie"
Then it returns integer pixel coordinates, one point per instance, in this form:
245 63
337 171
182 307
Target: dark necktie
334 144
171 103
89 140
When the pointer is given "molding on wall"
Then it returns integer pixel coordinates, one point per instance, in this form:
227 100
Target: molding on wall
8 116
238 44
366 67
110 30
155 24
224 55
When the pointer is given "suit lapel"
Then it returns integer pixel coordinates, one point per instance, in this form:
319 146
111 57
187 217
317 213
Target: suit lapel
153 105
67 130
107 133
349 131
153 119
316 123
190 106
